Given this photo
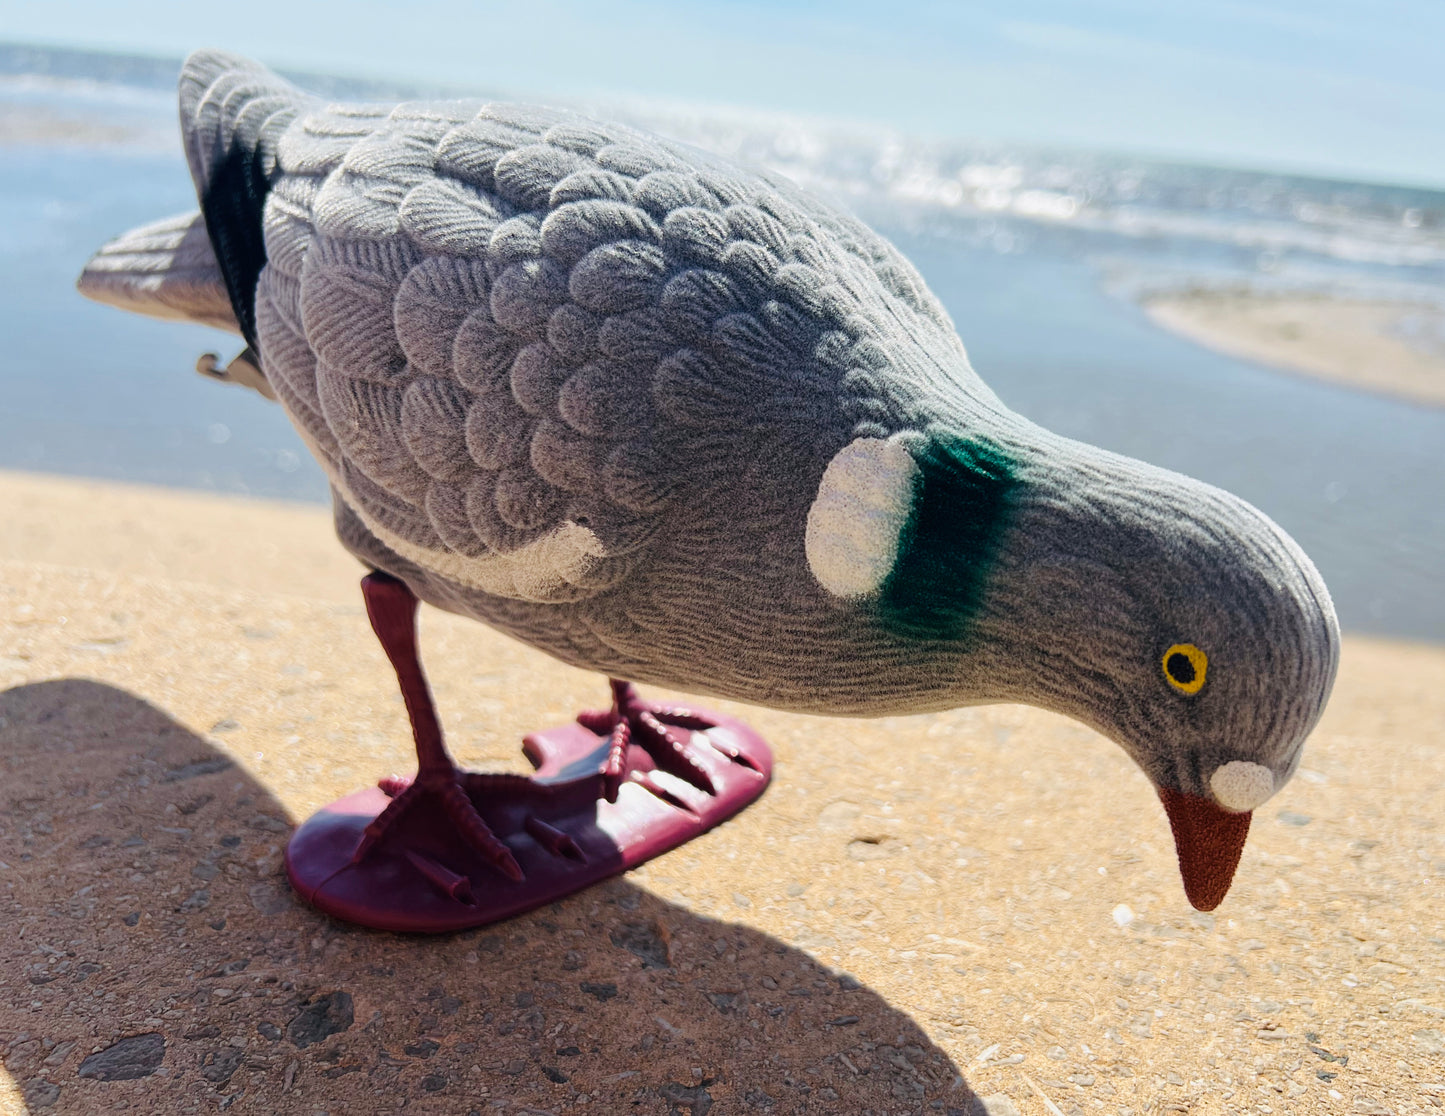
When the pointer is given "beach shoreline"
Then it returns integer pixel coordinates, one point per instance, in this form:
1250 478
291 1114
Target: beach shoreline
1388 347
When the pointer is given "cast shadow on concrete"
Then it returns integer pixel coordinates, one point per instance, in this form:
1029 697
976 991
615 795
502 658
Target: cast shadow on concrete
156 959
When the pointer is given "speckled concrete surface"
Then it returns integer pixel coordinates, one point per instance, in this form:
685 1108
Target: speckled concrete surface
920 913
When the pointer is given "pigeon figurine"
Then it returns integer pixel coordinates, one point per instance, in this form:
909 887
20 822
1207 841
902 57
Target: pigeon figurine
677 421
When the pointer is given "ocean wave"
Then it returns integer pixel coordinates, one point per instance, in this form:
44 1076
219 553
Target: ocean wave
1012 198
917 179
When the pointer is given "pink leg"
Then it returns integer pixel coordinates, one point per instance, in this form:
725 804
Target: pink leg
391 606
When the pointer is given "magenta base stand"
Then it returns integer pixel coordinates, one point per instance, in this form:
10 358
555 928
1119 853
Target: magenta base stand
558 825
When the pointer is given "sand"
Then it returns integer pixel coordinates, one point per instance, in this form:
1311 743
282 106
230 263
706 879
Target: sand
37 125
1396 348
921 913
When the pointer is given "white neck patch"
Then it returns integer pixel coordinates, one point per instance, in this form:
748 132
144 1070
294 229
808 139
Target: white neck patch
1241 786
854 525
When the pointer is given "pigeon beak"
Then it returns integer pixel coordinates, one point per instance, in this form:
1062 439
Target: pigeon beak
1209 840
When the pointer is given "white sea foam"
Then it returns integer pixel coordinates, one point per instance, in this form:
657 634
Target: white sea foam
1178 224
1185 210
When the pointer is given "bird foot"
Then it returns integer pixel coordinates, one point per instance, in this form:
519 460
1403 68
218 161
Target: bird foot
451 849
643 736
439 789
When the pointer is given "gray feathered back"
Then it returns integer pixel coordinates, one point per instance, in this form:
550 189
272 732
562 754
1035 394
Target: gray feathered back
515 337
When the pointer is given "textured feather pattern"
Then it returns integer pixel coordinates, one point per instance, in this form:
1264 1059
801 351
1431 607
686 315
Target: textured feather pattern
501 328
164 270
584 385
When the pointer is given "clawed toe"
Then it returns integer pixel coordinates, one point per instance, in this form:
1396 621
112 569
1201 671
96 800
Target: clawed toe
672 751
393 785
444 790
663 732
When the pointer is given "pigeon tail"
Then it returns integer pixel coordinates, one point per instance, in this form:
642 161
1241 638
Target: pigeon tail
233 112
166 269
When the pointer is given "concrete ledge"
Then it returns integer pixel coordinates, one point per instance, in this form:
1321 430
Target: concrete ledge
921 910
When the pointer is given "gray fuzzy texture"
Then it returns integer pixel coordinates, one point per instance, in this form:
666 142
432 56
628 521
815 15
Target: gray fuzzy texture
164 270
582 384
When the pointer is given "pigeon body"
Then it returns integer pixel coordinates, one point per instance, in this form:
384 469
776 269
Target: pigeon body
678 421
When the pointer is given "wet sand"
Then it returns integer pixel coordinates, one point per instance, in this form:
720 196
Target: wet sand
919 913
1395 348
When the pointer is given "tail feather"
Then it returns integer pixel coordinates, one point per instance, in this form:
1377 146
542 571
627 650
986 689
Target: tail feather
229 101
166 269
203 267
233 112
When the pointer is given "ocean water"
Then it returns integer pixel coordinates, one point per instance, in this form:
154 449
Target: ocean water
1039 257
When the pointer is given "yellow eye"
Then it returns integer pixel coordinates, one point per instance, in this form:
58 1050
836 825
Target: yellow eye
1185 667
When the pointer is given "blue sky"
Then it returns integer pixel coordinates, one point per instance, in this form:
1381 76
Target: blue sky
1354 89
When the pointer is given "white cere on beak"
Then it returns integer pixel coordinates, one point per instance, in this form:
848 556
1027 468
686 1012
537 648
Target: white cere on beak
1240 786
860 511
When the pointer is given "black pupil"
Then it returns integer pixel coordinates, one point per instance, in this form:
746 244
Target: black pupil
1180 668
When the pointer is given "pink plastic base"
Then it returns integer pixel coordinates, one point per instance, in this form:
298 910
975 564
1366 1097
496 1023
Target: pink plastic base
564 834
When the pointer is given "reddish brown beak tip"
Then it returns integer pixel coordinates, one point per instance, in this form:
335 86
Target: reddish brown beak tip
1209 841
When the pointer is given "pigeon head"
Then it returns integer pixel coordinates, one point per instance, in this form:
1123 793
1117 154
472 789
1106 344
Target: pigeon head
1171 616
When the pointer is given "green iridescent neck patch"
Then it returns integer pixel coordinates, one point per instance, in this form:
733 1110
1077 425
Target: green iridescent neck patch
961 505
